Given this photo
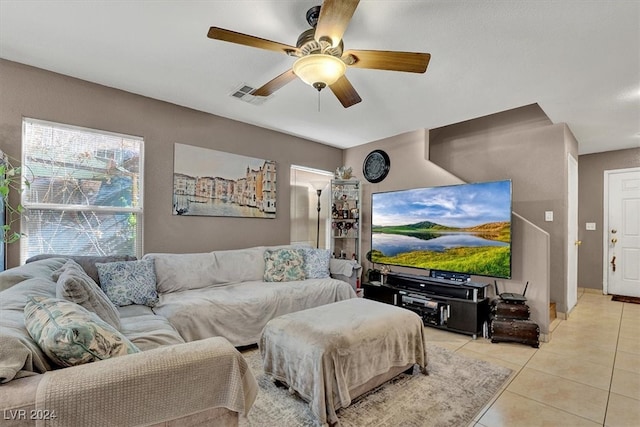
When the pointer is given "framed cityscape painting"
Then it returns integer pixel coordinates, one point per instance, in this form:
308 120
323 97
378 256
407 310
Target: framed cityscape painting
215 183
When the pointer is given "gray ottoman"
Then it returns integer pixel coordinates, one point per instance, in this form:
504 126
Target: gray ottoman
334 353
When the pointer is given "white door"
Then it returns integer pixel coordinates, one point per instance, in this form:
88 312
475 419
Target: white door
622 236
572 233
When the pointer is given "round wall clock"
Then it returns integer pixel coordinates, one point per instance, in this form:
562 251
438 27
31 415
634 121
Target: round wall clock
376 166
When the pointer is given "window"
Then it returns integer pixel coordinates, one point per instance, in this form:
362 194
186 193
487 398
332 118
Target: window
85 192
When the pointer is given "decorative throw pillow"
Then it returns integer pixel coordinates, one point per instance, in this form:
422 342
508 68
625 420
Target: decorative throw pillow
129 282
316 263
71 335
283 265
75 285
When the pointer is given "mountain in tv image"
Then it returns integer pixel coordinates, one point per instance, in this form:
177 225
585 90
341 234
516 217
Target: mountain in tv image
463 228
483 249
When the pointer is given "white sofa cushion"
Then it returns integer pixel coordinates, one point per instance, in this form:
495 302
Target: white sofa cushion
145 329
239 311
42 268
75 285
181 272
20 355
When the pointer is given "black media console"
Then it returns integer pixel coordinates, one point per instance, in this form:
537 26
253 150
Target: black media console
458 306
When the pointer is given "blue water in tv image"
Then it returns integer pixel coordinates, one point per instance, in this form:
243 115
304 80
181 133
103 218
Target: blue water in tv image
462 228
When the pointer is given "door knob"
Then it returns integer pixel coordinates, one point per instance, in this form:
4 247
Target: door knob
578 242
614 240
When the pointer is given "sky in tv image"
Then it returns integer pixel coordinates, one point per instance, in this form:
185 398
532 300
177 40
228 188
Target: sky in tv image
458 206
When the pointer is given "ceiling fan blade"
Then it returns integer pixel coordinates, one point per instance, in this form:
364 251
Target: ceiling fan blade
412 62
344 91
334 18
247 40
275 84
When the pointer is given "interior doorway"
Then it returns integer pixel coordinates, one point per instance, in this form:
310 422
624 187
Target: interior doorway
621 234
308 225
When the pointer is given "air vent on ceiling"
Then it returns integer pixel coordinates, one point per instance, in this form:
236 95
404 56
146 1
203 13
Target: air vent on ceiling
243 93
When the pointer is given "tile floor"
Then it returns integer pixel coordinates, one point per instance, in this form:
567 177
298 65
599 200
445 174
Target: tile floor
587 375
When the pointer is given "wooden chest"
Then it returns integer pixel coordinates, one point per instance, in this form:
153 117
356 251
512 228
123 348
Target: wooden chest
520 331
503 310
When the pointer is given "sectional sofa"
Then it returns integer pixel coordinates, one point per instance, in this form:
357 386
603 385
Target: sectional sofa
177 362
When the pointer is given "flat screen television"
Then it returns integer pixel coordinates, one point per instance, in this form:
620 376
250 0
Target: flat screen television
464 229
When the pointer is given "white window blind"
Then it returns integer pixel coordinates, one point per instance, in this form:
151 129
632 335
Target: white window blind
85 192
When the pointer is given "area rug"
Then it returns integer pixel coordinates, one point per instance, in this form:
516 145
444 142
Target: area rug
624 298
455 390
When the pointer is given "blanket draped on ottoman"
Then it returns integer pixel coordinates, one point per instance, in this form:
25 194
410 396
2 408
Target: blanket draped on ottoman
328 353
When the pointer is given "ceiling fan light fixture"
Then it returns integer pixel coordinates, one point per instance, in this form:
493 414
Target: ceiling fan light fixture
319 70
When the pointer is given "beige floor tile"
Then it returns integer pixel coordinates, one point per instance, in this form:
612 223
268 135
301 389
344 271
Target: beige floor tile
511 409
622 411
599 301
594 318
518 354
603 301
610 327
569 396
595 314
627 361
605 338
582 350
564 382
449 340
488 358
626 383
630 328
435 335
570 368
630 344
631 310
554 324
449 345
604 310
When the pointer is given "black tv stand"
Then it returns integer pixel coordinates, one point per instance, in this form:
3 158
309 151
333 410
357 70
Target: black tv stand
458 306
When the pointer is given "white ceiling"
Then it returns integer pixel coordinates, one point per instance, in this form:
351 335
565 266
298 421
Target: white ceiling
579 60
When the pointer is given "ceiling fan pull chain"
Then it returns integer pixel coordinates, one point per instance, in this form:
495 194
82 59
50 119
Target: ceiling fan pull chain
318 101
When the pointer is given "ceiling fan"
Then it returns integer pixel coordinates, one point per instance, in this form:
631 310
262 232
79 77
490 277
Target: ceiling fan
322 60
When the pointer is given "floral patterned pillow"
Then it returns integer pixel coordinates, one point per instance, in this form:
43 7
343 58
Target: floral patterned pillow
71 335
316 263
283 265
129 282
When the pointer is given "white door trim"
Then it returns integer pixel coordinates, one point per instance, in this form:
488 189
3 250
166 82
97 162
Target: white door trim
572 233
605 225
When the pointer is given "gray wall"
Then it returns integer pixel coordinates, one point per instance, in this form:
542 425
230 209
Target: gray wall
521 145
31 92
411 168
591 169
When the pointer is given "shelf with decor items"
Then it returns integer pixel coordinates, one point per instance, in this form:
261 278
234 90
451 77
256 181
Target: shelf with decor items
345 198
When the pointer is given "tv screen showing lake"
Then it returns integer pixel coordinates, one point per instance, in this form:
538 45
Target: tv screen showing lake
463 228
393 244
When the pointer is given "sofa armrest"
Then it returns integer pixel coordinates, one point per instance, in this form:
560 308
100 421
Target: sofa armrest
151 387
346 270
